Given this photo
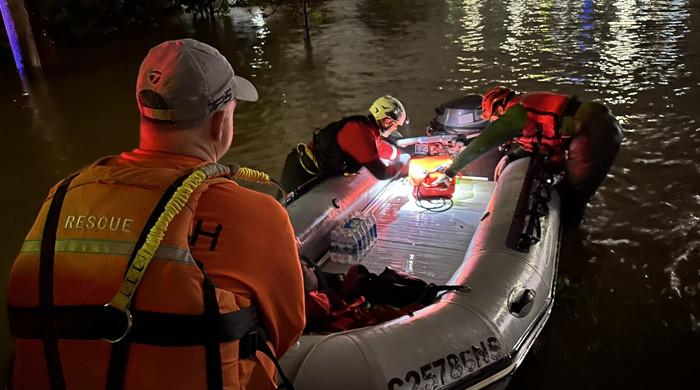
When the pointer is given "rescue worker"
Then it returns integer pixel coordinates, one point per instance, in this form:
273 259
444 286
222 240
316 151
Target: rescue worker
224 287
580 138
346 145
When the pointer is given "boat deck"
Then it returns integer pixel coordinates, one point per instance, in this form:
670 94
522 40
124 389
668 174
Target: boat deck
428 244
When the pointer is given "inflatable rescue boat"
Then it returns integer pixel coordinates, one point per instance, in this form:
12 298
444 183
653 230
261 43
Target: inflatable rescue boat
499 240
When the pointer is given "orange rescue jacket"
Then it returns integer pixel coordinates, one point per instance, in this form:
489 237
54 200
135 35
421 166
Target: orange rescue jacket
185 334
545 111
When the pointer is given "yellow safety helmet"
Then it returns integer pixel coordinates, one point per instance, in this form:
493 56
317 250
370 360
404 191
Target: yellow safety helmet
388 106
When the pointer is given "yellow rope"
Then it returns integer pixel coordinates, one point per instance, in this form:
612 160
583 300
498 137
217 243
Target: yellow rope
122 299
252 175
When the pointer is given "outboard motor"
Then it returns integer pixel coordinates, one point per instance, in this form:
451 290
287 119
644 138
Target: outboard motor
461 117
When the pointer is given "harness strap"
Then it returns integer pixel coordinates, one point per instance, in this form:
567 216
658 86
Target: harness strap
119 356
153 328
172 202
215 378
257 341
156 232
46 293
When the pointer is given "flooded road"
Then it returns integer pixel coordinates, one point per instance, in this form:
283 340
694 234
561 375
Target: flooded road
628 306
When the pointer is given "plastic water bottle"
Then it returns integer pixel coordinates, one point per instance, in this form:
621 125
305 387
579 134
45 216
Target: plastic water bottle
354 240
373 225
336 247
372 221
342 246
370 225
359 228
367 225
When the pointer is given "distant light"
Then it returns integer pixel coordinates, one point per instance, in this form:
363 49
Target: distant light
12 35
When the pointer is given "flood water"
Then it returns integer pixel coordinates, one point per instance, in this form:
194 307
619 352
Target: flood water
627 312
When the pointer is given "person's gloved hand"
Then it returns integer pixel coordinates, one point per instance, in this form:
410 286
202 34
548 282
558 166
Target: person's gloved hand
442 168
402 162
500 167
442 180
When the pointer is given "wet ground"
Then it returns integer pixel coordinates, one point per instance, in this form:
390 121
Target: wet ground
627 312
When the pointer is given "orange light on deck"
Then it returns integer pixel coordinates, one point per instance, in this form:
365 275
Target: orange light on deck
418 170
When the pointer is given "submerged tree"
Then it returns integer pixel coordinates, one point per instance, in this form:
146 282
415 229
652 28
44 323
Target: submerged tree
203 8
299 7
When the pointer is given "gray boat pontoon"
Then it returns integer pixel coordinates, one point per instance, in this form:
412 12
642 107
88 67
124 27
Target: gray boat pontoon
500 240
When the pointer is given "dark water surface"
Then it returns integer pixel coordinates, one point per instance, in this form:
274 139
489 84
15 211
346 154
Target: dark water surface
628 305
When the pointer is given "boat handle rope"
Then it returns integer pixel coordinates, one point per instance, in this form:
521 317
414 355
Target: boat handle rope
311 156
122 299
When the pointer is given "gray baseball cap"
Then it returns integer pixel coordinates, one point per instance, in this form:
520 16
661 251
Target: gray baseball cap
191 79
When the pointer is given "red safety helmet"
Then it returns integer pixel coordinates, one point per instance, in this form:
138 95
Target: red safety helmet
494 98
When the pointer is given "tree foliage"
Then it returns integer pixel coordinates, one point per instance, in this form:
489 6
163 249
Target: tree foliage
66 21
71 20
302 8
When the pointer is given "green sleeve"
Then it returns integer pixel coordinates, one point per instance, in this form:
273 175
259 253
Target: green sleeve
508 126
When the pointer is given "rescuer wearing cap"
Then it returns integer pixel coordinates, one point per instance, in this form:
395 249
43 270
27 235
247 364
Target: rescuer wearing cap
581 138
347 145
152 269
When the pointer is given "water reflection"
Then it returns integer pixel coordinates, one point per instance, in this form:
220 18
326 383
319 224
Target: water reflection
470 62
632 270
643 52
261 32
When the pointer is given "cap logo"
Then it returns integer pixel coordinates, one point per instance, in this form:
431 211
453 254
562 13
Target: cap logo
154 76
221 100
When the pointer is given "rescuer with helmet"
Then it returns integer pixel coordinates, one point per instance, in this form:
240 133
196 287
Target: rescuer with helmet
153 269
346 145
580 138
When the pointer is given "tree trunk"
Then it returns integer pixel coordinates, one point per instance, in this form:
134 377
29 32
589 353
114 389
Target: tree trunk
305 13
19 33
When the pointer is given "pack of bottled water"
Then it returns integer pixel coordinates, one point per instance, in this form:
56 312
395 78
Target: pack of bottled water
353 238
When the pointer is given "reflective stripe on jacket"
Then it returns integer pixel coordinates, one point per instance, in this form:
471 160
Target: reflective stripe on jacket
185 332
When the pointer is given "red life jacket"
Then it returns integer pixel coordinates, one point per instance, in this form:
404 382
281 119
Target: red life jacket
545 111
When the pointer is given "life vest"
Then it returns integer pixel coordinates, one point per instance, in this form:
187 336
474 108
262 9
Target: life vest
331 159
545 111
178 331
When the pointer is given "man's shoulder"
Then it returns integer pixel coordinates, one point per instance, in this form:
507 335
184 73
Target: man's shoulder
355 121
227 195
229 190
357 127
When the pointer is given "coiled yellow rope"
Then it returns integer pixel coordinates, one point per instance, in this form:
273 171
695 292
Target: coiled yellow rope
252 175
122 299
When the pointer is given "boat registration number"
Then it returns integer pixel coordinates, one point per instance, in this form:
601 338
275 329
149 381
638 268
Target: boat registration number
434 375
